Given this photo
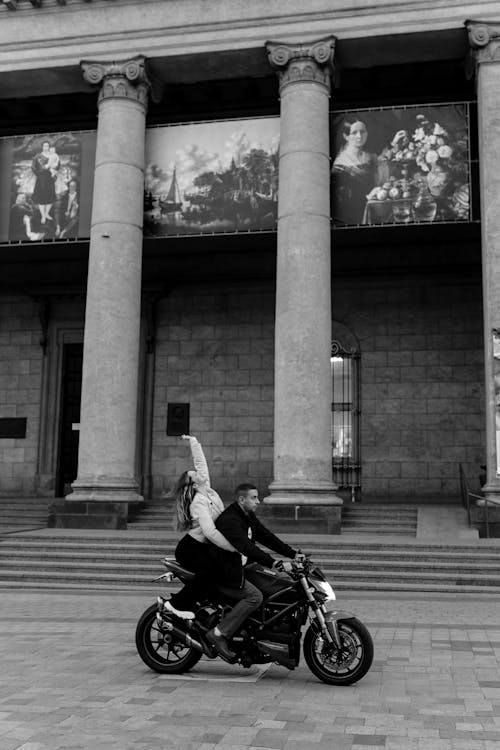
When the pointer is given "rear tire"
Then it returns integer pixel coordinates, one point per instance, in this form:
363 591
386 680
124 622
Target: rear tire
340 667
157 651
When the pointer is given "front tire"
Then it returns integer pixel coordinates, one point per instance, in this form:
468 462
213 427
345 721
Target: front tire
339 667
159 650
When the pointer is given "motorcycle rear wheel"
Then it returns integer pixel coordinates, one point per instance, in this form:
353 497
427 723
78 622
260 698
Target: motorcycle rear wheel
343 667
159 654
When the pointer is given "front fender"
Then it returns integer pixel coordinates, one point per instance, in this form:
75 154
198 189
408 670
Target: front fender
335 615
332 618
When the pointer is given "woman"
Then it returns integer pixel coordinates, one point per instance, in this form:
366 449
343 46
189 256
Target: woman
44 193
354 174
198 506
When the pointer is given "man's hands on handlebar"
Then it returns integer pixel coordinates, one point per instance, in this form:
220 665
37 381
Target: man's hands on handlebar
283 566
287 566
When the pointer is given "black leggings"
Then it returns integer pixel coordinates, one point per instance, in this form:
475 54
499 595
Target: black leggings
201 558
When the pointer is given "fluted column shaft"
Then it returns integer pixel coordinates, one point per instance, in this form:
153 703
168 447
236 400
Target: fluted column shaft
108 429
303 384
484 39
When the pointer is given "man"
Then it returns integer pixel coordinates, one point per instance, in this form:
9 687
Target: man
67 212
240 526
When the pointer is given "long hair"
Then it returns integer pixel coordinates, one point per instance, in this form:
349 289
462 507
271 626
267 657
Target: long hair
183 493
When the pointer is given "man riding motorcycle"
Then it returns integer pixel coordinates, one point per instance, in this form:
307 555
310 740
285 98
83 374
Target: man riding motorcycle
240 526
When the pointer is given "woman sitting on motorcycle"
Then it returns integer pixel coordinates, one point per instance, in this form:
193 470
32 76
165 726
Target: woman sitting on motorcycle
198 506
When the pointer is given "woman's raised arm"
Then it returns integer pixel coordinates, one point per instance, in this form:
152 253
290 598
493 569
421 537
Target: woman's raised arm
199 460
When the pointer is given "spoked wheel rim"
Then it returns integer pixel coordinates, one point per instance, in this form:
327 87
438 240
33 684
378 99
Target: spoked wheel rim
344 661
162 646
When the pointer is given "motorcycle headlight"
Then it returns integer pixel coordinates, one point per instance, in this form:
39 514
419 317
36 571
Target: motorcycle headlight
325 589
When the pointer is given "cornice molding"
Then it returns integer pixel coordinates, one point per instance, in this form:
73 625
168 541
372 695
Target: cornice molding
124 79
296 63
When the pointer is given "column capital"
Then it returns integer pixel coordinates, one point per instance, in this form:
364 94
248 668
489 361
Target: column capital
120 79
484 39
312 62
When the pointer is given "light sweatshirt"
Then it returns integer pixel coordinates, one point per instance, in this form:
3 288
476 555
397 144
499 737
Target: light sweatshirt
206 505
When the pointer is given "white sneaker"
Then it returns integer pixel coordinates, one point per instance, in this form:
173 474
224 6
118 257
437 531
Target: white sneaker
182 614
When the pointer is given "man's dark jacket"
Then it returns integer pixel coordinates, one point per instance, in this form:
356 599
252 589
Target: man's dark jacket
243 530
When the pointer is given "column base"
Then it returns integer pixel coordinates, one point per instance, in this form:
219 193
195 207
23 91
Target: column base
492 493
106 490
313 508
318 493
93 505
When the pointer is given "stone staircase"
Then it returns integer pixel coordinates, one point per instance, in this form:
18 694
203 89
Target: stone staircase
156 515
383 547
379 518
16 512
357 518
130 560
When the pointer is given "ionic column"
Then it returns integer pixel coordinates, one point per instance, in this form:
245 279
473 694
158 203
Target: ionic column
107 450
484 39
303 382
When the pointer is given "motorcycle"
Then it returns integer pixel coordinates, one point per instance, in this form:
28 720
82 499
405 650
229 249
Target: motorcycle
337 647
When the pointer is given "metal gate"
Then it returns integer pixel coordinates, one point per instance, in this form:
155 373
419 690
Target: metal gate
345 420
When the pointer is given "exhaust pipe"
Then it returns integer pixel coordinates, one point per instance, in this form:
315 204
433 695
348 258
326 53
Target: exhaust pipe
181 635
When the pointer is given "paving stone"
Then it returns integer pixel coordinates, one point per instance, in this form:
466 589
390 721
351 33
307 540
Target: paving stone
75 681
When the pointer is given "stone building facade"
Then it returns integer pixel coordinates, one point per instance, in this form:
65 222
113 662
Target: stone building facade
114 328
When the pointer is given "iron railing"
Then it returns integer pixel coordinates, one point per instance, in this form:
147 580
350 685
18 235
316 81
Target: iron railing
470 498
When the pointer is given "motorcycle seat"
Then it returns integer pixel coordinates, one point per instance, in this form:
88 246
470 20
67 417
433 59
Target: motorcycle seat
173 565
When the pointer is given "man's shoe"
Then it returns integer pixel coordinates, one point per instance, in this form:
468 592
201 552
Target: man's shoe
220 643
180 613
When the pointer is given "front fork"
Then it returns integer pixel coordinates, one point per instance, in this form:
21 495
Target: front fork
327 621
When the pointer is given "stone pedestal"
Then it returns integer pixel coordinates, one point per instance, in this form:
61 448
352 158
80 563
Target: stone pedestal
108 429
284 518
484 39
303 383
70 514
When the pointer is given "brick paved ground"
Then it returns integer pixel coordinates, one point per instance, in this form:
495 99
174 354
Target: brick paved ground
70 678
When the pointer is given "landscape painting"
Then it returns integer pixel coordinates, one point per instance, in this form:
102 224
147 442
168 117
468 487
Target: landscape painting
212 177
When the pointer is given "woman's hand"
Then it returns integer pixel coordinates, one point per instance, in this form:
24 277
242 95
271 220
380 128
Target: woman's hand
186 437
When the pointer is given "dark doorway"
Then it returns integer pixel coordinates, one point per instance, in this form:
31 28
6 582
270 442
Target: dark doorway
70 416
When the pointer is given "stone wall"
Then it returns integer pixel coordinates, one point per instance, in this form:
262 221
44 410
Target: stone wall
422 396
20 375
215 350
422 382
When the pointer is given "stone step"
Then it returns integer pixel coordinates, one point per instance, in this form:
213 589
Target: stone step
10 549
378 526
130 560
308 542
61 584
325 558
23 509
147 563
6 515
350 580
377 513
402 531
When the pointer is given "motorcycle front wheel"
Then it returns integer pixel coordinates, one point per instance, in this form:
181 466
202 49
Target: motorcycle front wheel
343 666
159 650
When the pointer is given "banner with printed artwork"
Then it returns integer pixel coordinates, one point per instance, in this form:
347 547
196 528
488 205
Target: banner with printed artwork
401 165
211 177
46 186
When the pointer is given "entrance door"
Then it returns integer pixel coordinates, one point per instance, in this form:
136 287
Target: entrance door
70 416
